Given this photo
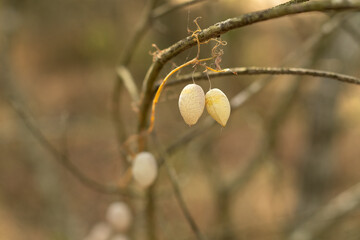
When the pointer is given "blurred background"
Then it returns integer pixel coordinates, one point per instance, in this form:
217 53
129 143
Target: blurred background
284 155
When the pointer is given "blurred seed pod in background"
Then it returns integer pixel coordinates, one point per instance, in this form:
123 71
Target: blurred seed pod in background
119 216
191 103
100 231
144 169
218 106
119 237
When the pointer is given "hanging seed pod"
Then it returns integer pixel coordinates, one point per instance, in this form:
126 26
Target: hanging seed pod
218 106
191 103
119 216
144 169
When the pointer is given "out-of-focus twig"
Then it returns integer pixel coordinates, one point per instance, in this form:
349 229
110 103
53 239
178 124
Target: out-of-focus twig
269 140
177 191
170 7
124 73
353 32
180 199
63 159
328 215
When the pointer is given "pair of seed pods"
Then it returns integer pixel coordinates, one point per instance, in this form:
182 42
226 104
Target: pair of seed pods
192 101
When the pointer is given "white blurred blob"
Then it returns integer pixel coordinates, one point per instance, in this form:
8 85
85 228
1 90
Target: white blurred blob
144 169
119 216
119 237
100 231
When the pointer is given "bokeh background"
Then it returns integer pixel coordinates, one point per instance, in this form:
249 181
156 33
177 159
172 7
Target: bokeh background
285 153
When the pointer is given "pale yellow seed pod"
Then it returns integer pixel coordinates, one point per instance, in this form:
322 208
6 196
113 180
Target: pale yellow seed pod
191 103
218 106
119 216
144 169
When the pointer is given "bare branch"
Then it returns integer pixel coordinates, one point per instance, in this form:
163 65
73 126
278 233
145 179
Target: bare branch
64 160
327 216
221 28
266 70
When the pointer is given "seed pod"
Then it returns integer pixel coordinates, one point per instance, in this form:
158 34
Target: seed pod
218 106
144 169
119 237
101 231
119 216
191 103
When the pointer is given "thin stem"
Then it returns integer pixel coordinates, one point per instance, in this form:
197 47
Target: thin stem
160 88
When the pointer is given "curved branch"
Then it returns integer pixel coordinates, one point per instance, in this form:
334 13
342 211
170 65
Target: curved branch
64 160
221 28
265 70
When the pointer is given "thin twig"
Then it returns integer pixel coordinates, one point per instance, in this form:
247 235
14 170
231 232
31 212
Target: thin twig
269 140
128 51
128 80
180 199
353 32
328 215
265 70
163 155
170 7
64 160
139 30
221 28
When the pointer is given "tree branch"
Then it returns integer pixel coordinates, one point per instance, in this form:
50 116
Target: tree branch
265 70
221 28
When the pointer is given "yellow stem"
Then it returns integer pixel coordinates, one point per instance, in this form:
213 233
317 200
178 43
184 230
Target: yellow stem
158 92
